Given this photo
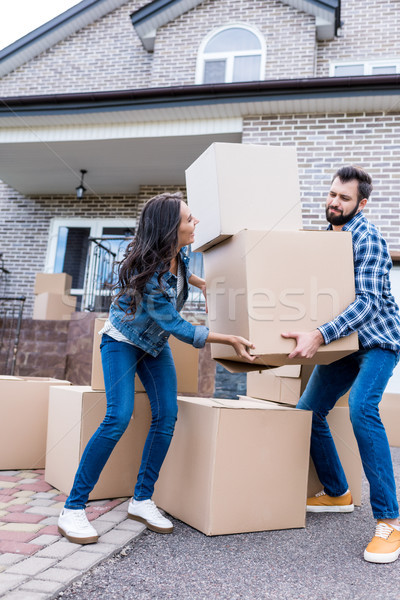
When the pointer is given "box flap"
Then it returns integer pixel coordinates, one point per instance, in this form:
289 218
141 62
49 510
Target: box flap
238 367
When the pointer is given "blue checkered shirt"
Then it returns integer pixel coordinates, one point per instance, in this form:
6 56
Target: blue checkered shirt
374 314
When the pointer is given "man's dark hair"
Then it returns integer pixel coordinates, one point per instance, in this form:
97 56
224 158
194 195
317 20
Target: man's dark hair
350 172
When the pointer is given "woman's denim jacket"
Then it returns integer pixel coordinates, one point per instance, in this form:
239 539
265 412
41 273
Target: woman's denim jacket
157 315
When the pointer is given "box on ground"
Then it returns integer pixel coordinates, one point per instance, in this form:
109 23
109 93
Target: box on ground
23 428
228 177
49 306
261 284
389 409
230 468
186 359
74 415
283 384
346 446
55 283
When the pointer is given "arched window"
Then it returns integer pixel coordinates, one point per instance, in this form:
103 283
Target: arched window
232 53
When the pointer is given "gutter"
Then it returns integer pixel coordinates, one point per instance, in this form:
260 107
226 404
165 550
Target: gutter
205 94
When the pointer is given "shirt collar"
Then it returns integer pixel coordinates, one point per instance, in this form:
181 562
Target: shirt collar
353 223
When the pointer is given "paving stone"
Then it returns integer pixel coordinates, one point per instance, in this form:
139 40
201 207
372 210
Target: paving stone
51 495
117 537
9 581
130 525
33 527
46 511
39 486
32 566
40 585
24 494
41 502
50 530
10 559
112 517
59 550
21 595
102 526
19 547
32 480
17 507
46 540
61 575
50 521
6 473
7 484
22 517
80 560
123 506
16 536
101 548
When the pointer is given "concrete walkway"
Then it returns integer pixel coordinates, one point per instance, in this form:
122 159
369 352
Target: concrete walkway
36 563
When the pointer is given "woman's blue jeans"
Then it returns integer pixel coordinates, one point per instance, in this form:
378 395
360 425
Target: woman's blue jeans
120 362
366 372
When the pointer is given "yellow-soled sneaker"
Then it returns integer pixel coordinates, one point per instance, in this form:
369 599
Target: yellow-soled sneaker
385 545
321 502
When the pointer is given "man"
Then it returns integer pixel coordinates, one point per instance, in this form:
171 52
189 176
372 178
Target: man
375 316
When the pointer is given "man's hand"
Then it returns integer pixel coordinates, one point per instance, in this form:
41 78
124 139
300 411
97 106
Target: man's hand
307 343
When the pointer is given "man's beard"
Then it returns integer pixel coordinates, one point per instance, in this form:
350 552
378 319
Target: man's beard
340 219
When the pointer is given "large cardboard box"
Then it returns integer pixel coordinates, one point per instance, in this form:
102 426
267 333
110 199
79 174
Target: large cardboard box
283 384
261 284
389 409
346 445
235 186
74 415
186 359
230 468
49 306
55 283
23 427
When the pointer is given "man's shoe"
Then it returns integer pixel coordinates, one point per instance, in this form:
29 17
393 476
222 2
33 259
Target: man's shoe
145 511
74 525
321 502
384 546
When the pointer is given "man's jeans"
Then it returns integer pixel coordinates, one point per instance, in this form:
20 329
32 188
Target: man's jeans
121 361
366 372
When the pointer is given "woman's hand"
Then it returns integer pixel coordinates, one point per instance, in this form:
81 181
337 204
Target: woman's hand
239 344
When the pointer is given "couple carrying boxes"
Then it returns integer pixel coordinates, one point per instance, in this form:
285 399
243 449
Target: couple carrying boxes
273 287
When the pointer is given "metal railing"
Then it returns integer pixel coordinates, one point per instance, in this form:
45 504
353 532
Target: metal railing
11 310
99 276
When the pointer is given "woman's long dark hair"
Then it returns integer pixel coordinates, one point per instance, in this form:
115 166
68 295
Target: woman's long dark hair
152 250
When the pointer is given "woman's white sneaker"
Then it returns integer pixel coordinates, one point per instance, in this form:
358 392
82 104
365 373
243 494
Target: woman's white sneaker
145 511
74 525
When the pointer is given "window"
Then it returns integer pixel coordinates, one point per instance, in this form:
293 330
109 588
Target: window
231 54
71 250
351 69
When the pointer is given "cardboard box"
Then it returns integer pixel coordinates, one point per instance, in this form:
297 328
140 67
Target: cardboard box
186 359
389 409
74 415
261 284
23 428
346 446
283 384
49 306
55 283
230 470
228 177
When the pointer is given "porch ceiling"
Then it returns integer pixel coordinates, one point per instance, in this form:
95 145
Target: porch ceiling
114 166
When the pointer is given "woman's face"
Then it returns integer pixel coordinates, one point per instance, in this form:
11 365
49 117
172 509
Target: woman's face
186 227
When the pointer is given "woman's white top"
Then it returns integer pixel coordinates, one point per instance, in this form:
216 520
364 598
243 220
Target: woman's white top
114 333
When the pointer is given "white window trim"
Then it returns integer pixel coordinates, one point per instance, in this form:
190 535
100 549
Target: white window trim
229 56
367 64
95 225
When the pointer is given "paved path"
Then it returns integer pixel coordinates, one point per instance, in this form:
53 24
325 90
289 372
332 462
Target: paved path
36 563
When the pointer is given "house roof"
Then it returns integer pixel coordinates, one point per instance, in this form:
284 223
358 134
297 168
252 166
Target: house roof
149 18
146 21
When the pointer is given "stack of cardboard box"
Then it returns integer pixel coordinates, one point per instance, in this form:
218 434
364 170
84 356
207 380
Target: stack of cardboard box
231 463
52 297
75 414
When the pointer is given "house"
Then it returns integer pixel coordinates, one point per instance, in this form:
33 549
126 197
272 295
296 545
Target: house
133 91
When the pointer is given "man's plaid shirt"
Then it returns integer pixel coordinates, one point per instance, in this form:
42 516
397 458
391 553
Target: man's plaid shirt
374 314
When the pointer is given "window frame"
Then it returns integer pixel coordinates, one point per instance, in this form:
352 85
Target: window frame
95 225
367 64
229 55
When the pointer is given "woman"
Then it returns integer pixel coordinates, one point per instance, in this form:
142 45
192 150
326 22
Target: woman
152 288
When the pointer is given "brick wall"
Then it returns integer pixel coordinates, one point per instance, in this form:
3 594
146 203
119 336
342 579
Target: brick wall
289 36
25 224
324 143
371 31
